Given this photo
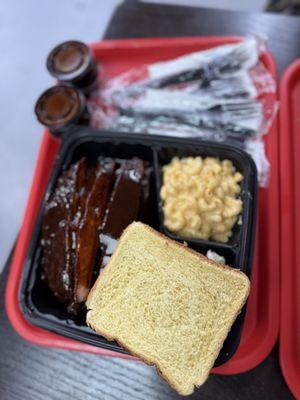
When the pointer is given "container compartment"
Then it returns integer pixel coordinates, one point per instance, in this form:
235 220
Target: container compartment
36 299
231 256
242 238
39 305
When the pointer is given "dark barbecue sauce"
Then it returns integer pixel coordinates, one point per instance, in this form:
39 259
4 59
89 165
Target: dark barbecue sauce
72 63
124 206
60 108
83 219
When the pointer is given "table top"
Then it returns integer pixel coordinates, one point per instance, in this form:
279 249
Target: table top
27 36
30 372
134 19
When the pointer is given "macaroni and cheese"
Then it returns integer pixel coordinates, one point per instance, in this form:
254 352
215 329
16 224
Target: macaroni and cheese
200 197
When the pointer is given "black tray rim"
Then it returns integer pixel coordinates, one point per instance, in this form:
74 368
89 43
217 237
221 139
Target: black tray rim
78 136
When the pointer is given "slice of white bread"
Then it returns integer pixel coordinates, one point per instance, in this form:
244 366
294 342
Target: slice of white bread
166 304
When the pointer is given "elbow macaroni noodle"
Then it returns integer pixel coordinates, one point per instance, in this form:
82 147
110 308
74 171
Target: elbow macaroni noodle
200 197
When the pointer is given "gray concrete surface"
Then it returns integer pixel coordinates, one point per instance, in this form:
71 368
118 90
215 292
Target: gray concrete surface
28 30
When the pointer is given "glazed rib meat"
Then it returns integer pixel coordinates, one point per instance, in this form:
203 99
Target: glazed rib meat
70 227
59 257
88 201
87 240
123 207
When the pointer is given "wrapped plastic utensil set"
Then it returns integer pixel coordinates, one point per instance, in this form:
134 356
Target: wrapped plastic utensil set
214 94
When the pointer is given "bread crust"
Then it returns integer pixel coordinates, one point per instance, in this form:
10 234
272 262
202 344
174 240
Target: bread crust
132 351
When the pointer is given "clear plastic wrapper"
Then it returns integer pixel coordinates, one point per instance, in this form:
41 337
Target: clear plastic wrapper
221 94
205 66
256 149
243 117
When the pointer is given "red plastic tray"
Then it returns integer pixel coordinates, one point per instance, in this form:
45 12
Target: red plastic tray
290 227
262 318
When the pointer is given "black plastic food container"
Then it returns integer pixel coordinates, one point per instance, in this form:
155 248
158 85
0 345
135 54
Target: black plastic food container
37 302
